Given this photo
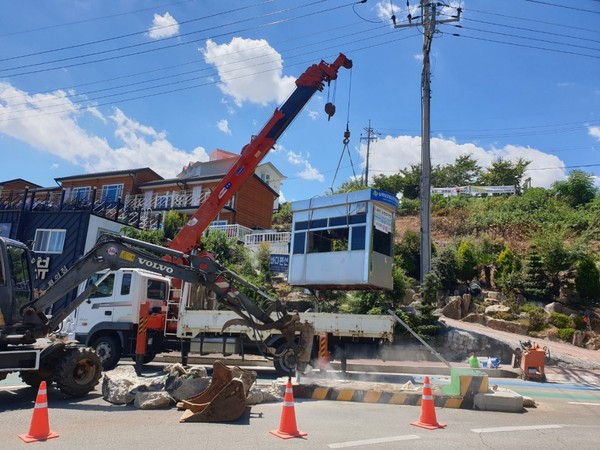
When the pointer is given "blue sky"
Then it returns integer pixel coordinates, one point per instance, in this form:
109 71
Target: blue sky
89 86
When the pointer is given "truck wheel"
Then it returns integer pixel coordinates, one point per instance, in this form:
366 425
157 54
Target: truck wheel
284 361
78 372
33 378
108 348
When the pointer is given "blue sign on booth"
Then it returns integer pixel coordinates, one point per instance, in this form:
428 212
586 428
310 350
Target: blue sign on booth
279 263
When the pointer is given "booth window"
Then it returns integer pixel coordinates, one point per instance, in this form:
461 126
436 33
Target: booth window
382 242
332 240
358 238
299 240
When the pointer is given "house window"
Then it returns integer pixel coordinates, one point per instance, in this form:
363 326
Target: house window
80 194
49 241
111 192
5 229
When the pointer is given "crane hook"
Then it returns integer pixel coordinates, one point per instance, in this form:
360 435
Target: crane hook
330 110
346 136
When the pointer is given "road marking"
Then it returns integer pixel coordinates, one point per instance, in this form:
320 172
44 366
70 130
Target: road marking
522 428
9 388
584 403
373 441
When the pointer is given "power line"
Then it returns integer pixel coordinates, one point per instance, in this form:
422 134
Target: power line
566 52
530 20
563 6
171 91
137 33
527 38
95 19
164 47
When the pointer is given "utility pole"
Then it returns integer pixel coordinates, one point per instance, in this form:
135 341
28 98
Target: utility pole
427 21
371 136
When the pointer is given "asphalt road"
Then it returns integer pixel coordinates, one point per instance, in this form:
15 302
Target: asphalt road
566 416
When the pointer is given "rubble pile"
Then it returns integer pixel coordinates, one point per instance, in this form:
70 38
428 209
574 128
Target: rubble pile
121 386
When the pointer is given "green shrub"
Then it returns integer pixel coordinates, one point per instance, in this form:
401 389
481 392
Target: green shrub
566 334
409 207
503 315
467 261
587 280
536 317
560 320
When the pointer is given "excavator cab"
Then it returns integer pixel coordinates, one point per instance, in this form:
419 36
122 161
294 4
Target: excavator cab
16 284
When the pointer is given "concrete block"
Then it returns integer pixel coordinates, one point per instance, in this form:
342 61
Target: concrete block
500 400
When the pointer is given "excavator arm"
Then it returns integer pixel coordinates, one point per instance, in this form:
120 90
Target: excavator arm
114 252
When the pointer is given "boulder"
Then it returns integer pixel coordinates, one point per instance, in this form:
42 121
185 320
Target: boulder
481 319
152 400
453 309
118 384
189 387
493 309
505 325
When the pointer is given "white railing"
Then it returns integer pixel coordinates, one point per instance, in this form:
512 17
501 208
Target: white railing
258 237
233 231
168 200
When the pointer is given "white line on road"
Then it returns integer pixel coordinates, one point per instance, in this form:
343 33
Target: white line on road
584 403
373 441
522 428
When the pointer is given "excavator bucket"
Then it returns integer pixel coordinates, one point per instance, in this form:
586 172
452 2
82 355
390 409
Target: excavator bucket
224 400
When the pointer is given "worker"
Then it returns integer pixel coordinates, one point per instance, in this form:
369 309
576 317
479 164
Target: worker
473 361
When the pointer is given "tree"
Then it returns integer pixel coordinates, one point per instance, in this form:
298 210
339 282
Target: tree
463 172
504 172
555 257
174 222
282 219
391 184
378 302
467 261
445 266
408 250
587 282
578 189
535 281
154 236
350 186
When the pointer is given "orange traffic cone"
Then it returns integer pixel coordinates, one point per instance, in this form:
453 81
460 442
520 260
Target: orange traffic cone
39 429
428 419
287 426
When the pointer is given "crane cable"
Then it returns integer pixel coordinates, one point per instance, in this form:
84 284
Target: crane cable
346 140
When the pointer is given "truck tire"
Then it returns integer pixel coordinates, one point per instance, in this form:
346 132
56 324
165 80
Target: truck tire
33 378
284 361
78 371
108 349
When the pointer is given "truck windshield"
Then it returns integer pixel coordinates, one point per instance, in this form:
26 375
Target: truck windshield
105 289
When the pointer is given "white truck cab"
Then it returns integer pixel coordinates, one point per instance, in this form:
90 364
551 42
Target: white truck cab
108 319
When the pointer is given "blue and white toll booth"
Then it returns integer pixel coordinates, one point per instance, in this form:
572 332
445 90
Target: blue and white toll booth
343 241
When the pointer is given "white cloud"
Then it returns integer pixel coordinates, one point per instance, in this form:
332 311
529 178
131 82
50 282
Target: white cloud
594 132
57 132
309 172
312 114
249 70
163 26
390 154
223 125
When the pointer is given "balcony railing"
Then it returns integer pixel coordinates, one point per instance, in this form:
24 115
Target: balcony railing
235 231
258 237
